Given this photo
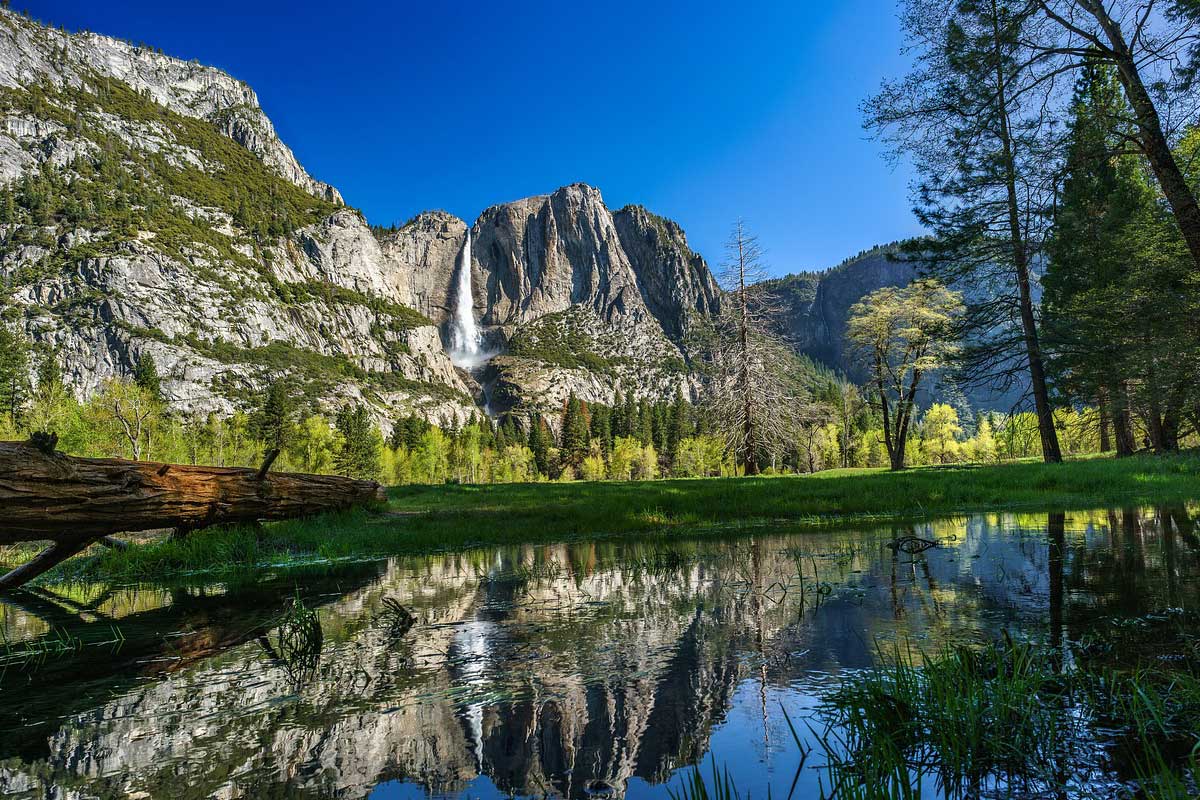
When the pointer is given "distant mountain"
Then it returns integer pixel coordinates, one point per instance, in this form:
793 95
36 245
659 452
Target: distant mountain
815 309
147 206
816 305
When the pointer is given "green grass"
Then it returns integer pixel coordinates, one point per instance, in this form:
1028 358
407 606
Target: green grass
437 518
1010 715
549 511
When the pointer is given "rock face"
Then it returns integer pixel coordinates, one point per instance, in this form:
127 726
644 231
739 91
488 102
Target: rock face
676 283
420 262
546 254
815 306
33 54
150 208
591 301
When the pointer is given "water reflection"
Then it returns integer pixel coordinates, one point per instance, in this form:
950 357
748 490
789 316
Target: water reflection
569 670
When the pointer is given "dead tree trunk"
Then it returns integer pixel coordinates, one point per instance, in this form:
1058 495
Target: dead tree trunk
76 501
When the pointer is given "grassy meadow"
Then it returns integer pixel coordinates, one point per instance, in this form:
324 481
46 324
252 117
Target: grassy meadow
422 519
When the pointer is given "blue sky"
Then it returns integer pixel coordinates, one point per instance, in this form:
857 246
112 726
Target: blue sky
701 111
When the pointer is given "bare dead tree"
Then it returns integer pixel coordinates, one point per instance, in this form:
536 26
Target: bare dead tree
813 419
753 399
135 410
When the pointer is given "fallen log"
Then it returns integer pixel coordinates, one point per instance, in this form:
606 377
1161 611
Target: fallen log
76 501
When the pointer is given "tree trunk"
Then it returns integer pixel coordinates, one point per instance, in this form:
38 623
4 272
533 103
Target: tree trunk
1122 421
888 442
76 501
1051 453
1151 136
751 461
1102 404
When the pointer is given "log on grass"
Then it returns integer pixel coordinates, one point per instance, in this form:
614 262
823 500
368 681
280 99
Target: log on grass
68 499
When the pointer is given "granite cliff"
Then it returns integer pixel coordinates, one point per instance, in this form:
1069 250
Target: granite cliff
150 208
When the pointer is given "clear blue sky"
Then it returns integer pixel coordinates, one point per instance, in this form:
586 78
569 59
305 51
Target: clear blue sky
701 111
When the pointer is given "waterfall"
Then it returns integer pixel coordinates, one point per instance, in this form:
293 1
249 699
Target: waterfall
464 334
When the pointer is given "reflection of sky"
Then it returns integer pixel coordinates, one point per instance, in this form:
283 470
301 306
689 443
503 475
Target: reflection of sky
551 668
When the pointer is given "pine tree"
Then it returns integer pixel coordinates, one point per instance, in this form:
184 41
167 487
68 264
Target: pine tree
629 417
407 432
358 456
539 444
617 417
1118 310
14 372
508 433
274 419
145 375
600 428
574 444
678 426
645 423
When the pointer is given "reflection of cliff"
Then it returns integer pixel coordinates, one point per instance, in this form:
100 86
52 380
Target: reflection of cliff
550 668
562 681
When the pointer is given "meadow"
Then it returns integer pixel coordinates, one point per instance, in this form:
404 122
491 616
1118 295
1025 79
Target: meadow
423 519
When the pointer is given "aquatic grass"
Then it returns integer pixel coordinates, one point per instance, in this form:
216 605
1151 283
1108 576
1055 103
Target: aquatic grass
396 617
693 787
295 642
33 654
975 719
1009 717
1154 715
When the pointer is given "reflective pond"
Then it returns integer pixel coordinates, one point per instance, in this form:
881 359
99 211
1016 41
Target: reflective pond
573 670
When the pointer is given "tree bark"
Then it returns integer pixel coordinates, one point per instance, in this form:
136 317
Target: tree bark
1102 404
1151 136
58 552
67 499
1122 422
1051 453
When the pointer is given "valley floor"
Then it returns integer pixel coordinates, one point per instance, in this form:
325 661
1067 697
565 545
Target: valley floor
438 518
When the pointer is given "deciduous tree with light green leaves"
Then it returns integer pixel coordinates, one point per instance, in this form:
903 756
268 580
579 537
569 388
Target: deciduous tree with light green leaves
939 433
901 335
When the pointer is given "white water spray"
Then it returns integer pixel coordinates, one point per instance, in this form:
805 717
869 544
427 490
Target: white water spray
465 350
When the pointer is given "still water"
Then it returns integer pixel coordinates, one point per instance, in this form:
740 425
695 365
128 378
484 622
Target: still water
577 670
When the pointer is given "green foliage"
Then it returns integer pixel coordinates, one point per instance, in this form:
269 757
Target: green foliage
273 421
14 372
540 442
574 432
408 430
361 445
145 375
121 189
1121 293
561 339
901 335
393 316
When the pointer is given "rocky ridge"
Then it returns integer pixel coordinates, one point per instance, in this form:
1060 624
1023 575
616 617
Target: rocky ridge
147 206
152 209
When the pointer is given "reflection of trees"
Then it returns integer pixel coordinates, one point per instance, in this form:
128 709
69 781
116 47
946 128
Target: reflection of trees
202 624
549 668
